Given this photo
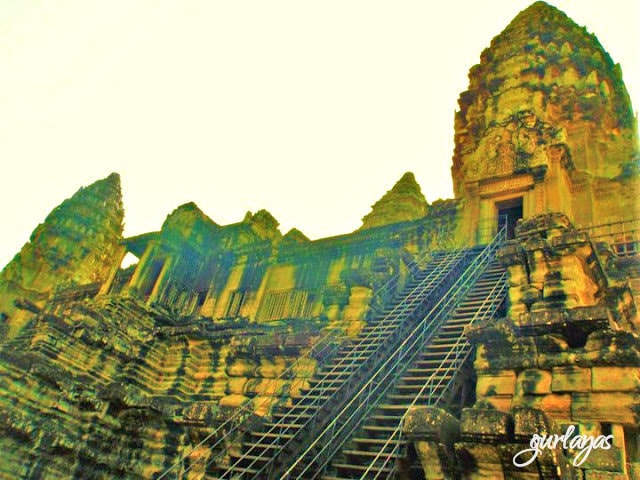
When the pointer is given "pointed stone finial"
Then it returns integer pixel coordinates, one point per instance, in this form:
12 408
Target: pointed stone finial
188 221
75 245
263 224
402 203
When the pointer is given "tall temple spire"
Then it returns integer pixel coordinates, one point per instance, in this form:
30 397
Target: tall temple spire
75 245
545 65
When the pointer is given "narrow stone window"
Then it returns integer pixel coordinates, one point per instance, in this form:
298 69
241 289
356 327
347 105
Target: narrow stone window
275 305
298 304
236 300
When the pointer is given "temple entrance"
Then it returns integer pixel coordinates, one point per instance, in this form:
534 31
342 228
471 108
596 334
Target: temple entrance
151 277
509 212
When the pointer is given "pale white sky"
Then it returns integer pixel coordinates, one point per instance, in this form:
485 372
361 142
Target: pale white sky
311 110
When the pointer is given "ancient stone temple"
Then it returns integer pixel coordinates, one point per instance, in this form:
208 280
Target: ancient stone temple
435 341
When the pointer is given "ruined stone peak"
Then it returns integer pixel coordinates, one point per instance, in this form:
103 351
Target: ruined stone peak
536 13
93 207
189 208
551 26
110 181
295 235
113 178
544 63
75 245
263 224
402 203
106 189
187 221
407 185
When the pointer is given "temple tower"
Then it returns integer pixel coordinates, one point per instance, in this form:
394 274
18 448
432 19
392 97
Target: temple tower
546 125
78 244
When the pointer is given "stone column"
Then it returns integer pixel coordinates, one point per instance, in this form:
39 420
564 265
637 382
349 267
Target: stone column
118 257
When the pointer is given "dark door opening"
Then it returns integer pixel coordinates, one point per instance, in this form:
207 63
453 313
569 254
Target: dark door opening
509 213
152 276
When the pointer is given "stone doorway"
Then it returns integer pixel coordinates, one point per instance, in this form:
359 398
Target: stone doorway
509 212
152 277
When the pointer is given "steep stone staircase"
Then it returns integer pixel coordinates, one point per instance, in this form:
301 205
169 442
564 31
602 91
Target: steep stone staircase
419 371
373 449
269 450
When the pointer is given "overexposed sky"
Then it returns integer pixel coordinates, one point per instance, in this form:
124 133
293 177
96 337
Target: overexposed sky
311 110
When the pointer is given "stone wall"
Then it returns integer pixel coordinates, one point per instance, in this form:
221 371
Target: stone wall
567 354
120 373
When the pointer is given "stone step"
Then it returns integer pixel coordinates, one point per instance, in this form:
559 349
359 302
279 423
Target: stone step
385 420
360 469
366 456
272 435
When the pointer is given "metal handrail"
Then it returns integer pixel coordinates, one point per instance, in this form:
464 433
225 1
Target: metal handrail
460 350
397 310
452 260
413 268
236 421
611 232
416 337
612 224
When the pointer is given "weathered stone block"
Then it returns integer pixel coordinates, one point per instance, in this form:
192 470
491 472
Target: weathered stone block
236 385
432 423
517 275
263 405
588 428
531 295
634 469
609 407
232 400
606 347
552 345
611 460
481 363
500 402
430 455
480 460
500 383
542 319
517 309
611 379
265 386
533 382
571 379
296 386
563 289
332 312
304 367
477 424
556 406
516 294
271 369
241 368
601 475
510 352
529 421
512 255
